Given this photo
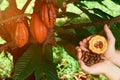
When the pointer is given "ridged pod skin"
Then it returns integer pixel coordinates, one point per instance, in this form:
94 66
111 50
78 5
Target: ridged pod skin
21 34
98 44
48 14
38 28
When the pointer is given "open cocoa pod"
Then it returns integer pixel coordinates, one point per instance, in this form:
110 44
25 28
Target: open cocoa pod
98 44
90 58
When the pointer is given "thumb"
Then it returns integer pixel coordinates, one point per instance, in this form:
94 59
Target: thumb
110 37
85 68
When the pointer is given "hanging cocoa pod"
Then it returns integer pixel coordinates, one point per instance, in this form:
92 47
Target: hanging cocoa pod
38 28
48 14
21 34
98 44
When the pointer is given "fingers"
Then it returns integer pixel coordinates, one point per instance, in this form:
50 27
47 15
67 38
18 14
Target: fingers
85 42
88 38
79 51
109 34
85 68
84 48
81 63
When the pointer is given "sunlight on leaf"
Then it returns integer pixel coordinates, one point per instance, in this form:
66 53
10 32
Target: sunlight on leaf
3 5
2 41
6 65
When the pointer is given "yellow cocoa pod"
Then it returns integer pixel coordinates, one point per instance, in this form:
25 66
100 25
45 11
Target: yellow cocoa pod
98 44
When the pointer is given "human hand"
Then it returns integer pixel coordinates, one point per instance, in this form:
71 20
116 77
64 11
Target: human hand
111 43
99 68
110 51
111 54
106 67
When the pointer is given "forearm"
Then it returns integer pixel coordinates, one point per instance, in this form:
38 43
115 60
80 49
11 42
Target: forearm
113 72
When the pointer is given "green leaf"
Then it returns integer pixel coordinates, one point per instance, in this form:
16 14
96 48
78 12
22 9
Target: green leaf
70 48
6 65
92 16
117 24
25 65
33 60
67 34
116 31
116 1
102 13
79 3
82 33
68 14
46 70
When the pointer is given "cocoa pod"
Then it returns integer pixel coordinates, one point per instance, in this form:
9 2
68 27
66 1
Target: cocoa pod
50 1
48 14
38 28
21 34
98 44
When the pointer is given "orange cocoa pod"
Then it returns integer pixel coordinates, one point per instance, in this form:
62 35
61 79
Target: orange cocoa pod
98 44
21 34
38 29
48 14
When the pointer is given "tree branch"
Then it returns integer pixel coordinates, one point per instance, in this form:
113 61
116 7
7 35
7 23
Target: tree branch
25 6
14 17
7 45
102 22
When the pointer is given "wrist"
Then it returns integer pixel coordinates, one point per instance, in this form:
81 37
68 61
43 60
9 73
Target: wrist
114 57
112 72
111 55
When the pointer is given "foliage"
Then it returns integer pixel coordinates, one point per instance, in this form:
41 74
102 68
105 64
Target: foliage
6 65
33 61
67 65
76 20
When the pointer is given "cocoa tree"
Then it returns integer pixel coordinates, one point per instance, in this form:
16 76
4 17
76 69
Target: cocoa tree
30 40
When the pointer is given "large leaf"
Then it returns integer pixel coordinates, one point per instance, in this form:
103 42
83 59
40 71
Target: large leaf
70 39
116 1
92 16
25 65
46 71
67 34
68 14
82 33
99 1
70 48
33 61
102 13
